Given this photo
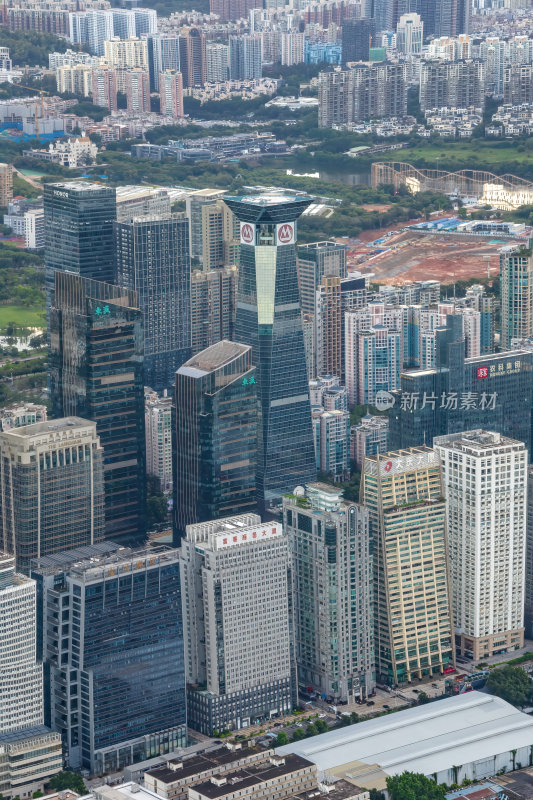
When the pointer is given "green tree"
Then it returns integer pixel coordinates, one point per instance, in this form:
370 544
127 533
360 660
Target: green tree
423 698
68 780
281 739
512 684
375 794
321 725
414 786
298 734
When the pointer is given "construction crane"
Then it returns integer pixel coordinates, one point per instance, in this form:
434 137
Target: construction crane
42 93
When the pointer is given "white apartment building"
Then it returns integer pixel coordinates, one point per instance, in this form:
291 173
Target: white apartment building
239 662
292 48
158 429
485 484
21 676
373 351
217 55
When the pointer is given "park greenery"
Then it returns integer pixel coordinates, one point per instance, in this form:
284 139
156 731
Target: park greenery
512 684
414 786
31 48
21 277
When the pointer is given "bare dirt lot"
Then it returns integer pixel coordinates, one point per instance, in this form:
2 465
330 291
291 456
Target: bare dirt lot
409 256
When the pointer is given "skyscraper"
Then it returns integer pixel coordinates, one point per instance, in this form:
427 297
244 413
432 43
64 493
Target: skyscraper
485 484
51 488
413 627
152 259
163 54
197 222
6 184
410 34
328 328
213 296
193 59
171 94
78 221
216 412
269 320
358 35
158 427
21 676
137 86
245 57
31 753
329 542
116 688
516 281
239 658
316 261
96 371
493 392
217 55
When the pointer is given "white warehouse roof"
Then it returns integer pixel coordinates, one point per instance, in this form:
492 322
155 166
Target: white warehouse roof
428 739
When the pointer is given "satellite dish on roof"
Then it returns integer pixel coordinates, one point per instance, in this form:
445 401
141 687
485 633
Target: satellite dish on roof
299 491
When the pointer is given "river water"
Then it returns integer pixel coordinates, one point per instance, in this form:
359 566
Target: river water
349 178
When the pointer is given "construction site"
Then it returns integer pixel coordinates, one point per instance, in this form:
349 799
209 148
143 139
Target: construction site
411 254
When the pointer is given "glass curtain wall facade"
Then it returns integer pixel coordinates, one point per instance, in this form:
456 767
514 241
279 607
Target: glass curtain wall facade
152 258
117 693
268 319
216 435
96 372
78 226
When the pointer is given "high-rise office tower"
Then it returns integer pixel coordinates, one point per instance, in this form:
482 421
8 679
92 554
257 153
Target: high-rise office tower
213 296
316 261
516 282
104 87
171 94
51 488
268 319
158 428
96 372
410 34
413 627
198 223
245 57
78 220
21 675
163 54
358 36
116 688
485 485
217 55
193 60
329 542
152 259
6 184
216 412
137 86
239 660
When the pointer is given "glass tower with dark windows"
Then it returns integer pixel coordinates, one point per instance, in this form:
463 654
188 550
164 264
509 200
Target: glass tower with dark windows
96 372
152 258
78 226
216 435
268 319
115 665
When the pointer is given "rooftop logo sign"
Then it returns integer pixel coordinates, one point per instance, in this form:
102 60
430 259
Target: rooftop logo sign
285 233
247 233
